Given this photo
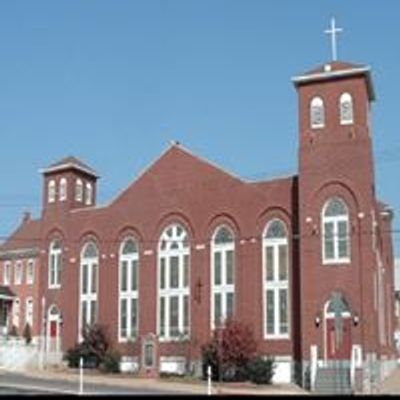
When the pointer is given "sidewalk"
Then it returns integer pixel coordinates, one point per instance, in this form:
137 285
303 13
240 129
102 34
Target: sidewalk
391 385
132 381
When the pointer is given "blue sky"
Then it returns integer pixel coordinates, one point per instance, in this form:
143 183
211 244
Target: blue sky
112 82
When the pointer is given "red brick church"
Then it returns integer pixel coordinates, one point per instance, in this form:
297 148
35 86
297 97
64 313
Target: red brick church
188 244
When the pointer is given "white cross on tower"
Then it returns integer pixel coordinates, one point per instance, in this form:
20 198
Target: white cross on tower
333 31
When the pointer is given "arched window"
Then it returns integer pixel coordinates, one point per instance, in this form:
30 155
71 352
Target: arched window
78 190
29 311
88 285
173 283
51 191
19 270
346 109
317 113
222 275
16 312
276 280
89 194
30 272
55 264
62 193
128 289
335 232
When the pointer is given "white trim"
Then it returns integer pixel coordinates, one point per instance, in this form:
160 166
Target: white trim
346 97
66 166
30 278
88 297
18 273
62 189
7 273
57 254
29 299
51 191
129 294
335 220
276 285
330 74
224 288
181 291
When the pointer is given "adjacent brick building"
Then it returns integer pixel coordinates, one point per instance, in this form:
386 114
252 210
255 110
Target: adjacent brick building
305 260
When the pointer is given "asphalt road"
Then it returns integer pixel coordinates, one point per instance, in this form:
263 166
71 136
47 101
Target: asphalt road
13 383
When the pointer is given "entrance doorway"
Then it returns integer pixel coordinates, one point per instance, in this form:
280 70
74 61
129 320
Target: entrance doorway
53 334
337 329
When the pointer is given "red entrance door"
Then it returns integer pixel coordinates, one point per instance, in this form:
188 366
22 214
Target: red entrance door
338 349
53 329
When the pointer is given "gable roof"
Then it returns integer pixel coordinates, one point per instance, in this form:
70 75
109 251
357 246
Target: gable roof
67 163
25 238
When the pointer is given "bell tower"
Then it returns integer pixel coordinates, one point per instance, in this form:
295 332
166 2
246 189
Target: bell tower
336 174
68 184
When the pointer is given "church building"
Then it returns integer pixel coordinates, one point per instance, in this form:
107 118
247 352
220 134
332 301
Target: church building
305 260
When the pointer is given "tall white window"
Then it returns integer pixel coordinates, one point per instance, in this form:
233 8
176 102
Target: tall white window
317 113
29 311
55 264
346 109
78 190
30 272
173 283
62 192
335 232
16 312
222 276
19 270
128 290
88 285
276 280
7 274
88 194
51 191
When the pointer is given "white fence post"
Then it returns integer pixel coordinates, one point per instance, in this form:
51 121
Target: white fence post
209 388
313 365
81 375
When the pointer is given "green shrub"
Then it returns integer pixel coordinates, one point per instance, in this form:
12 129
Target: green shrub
27 334
93 348
13 331
229 351
110 362
260 370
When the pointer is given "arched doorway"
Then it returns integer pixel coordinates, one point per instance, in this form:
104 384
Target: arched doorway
337 328
53 334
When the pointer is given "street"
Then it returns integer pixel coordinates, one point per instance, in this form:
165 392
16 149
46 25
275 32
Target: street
14 383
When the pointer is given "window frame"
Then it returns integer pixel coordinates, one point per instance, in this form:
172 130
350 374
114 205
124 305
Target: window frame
30 272
91 262
313 106
7 273
51 191
129 294
346 97
335 221
57 253
167 292
62 189
18 273
27 301
224 288
88 194
276 285
78 196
